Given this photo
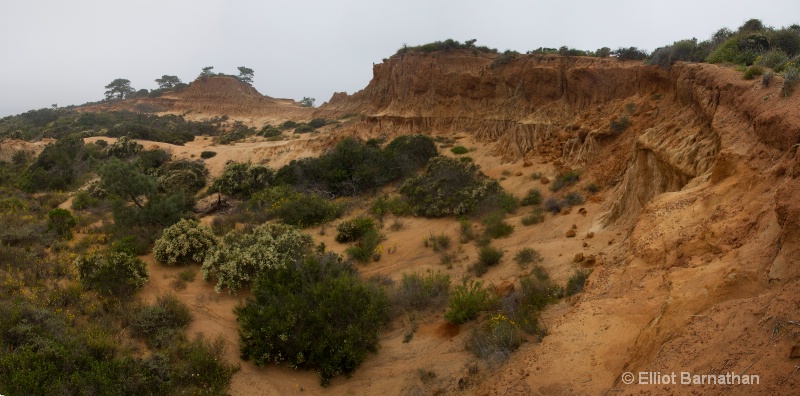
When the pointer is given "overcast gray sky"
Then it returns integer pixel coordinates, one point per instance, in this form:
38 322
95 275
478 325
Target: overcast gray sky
65 52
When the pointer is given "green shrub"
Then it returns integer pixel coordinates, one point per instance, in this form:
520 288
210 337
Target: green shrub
208 154
565 179
576 282
242 179
84 200
504 58
308 210
489 256
593 188
112 274
201 367
527 256
161 322
46 353
535 217
630 53
182 175
318 122
289 124
772 59
495 339
124 148
495 227
508 202
304 128
538 293
293 207
533 197
418 291
466 301
269 131
367 247
354 229
448 187
753 71
395 206
184 242
314 313
458 150
242 255
131 245
61 222
573 199
152 159
619 125
56 167
408 153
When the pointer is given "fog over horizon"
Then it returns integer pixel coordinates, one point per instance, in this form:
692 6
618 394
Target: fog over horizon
65 53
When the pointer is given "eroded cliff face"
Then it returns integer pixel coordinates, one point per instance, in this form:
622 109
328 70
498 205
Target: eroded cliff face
702 186
554 108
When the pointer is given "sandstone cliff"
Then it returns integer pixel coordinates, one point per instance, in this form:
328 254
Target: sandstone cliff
702 183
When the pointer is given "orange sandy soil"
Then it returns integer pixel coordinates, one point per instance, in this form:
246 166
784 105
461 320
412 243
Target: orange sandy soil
436 346
697 225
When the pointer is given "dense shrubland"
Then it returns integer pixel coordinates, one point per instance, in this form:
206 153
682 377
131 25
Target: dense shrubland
58 123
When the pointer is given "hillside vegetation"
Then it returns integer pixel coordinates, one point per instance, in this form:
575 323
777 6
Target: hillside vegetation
471 222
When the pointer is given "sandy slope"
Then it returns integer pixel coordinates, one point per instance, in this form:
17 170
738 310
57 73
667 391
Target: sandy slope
697 226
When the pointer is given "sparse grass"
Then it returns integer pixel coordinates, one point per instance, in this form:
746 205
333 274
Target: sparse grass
752 72
495 339
540 273
619 125
421 291
535 217
553 205
159 324
791 75
425 375
447 259
495 227
576 282
466 301
186 276
489 256
508 202
397 224
368 247
527 256
533 197
437 242
467 232
537 175
766 78
565 179
573 199
505 173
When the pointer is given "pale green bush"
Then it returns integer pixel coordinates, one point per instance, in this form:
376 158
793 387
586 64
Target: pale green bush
243 255
184 242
